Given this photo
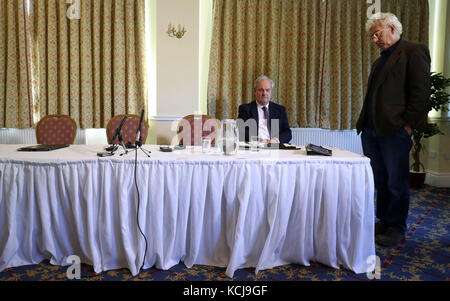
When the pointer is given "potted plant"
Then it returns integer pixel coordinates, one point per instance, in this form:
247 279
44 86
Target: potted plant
439 100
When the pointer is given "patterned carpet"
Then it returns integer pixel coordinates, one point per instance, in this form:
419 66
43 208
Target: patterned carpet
423 255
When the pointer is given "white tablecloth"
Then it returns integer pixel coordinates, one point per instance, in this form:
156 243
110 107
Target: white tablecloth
253 209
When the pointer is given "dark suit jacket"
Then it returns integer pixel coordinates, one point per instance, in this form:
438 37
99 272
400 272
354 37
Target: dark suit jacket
402 91
249 111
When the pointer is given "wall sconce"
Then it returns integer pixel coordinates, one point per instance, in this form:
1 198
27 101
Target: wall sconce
172 32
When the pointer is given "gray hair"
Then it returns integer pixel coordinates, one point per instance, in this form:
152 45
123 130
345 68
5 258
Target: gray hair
386 19
263 77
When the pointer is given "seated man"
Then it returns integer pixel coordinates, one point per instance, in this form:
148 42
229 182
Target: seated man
264 118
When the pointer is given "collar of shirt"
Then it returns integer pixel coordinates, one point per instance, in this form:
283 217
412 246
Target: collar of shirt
260 107
391 49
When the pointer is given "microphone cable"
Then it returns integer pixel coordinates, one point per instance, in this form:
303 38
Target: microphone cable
138 205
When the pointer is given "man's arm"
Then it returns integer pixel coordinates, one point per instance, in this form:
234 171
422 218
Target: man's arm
418 85
285 129
244 115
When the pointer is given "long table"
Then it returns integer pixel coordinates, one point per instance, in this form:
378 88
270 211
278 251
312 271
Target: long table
254 209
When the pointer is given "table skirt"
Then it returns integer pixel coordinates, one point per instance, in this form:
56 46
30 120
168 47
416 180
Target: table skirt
232 214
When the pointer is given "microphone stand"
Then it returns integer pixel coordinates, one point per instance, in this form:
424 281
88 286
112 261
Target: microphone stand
137 146
114 147
138 143
121 143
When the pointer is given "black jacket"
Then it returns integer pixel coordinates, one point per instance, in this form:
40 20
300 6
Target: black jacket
402 90
249 111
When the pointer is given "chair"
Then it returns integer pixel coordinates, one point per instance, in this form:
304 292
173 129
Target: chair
56 129
192 128
128 130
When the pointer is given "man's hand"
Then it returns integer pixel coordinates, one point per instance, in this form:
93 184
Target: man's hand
273 140
408 129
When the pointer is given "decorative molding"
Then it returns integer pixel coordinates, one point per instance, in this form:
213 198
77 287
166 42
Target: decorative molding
165 118
440 119
437 179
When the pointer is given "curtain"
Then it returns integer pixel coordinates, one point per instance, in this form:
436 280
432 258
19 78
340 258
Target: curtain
86 59
15 95
317 52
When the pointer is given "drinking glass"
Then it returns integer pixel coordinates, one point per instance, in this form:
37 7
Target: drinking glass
254 143
206 144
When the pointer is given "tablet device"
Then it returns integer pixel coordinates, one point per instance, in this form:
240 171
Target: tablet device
42 147
165 149
312 149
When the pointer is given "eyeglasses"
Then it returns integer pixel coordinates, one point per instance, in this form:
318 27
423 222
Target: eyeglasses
377 34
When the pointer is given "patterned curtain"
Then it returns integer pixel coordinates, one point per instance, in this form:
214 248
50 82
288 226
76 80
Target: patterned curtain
15 95
317 52
87 60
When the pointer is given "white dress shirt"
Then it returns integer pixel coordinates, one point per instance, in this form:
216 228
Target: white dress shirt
263 132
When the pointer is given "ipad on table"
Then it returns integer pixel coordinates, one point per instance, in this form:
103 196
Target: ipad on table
42 147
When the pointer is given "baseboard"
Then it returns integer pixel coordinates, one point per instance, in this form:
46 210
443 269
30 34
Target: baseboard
437 179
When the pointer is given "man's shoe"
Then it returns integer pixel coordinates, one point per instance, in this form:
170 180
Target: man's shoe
380 228
390 238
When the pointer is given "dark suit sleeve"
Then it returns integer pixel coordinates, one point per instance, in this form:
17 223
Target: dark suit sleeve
285 129
419 85
244 115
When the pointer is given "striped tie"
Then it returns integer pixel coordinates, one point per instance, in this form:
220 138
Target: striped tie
266 115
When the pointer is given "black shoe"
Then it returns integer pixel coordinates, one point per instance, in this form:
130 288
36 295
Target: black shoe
380 228
389 238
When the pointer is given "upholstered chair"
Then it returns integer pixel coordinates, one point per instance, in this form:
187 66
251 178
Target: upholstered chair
56 129
192 128
128 130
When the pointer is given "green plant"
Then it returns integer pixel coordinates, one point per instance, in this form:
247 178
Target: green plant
439 100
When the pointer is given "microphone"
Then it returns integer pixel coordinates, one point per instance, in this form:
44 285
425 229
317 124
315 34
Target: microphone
138 132
118 129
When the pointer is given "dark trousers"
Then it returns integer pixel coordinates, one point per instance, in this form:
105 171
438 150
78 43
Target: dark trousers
389 158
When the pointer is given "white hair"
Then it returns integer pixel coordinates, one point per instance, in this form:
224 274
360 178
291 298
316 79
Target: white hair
386 19
263 77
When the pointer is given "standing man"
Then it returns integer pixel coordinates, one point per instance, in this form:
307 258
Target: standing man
270 122
397 98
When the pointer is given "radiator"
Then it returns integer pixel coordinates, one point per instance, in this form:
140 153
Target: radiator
28 136
346 139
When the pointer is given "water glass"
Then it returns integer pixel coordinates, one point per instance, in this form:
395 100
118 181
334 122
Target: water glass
254 143
206 144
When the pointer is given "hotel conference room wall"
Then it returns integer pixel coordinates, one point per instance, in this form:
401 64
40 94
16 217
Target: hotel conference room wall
179 76
164 131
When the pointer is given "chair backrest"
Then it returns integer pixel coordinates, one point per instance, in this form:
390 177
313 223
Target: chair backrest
128 130
56 129
192 128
